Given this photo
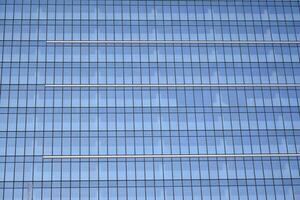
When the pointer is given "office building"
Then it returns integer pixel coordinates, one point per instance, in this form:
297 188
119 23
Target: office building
105 99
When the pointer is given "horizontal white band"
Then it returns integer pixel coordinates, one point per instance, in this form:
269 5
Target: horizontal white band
172 85
172 156
168 42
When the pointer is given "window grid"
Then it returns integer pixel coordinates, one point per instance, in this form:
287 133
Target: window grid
148 79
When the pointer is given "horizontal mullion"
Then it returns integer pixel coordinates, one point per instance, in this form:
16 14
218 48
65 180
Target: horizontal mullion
166 85
168 42
172 156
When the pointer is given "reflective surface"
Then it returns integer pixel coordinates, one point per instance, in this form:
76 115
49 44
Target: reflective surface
251 107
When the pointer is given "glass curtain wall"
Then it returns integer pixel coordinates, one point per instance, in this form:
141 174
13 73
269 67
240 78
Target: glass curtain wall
111 99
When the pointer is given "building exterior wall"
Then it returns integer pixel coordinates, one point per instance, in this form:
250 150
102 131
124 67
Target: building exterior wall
149 99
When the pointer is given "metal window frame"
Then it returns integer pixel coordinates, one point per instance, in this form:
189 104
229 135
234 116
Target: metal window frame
46 157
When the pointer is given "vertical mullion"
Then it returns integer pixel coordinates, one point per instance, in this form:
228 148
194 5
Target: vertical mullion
97 96
89 162
24 152
44 103
62 99
71 95
295 90
17 102
53 105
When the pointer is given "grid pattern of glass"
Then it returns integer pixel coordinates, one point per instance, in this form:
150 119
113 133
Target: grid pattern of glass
183 99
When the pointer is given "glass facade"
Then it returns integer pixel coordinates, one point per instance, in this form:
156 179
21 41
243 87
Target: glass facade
149 99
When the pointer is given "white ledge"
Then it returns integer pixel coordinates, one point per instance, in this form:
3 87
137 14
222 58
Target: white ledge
172 156
168 85
169 42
